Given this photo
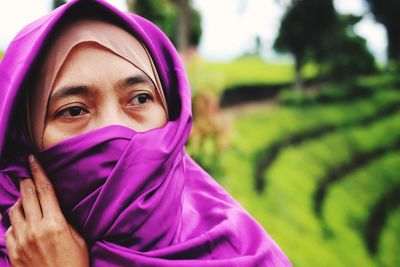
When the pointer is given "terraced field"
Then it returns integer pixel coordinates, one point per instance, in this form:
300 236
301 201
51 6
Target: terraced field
323 178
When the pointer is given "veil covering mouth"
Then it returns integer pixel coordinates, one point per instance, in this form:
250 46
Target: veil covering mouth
137 198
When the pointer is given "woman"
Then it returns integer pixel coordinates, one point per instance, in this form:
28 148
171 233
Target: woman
102 108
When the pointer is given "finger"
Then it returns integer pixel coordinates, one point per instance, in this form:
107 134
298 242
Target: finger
12 248
30 201
17 220
11 243
45 191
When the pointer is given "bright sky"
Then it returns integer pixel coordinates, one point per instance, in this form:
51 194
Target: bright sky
229 26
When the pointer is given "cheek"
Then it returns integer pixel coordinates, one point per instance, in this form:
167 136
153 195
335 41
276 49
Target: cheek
53 135
153 118
158 117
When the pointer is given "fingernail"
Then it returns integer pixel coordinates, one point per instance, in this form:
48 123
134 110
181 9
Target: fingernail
31 158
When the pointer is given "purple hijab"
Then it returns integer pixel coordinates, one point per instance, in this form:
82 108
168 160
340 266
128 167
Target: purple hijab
137 198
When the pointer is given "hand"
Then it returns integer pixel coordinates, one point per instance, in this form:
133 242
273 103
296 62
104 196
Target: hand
39 234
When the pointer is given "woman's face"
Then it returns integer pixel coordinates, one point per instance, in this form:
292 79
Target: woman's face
96 88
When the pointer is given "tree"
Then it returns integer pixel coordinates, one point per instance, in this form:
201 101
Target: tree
177 18
162 13
312 30
387 12
195 30
346 53
57 3
183 23
302 31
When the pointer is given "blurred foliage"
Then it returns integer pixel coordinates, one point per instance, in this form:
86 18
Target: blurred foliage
164 13
345 53
218 76
312 30
303 29
390 240
286 207
329 92
57 3
209 136
384 81
195 30
387 13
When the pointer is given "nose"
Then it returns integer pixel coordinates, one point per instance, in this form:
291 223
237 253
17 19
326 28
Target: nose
113 114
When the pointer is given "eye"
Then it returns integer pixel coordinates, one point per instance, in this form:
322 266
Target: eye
140 99
72 112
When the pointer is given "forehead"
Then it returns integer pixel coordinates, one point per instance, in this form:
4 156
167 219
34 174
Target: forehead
93 56
93 63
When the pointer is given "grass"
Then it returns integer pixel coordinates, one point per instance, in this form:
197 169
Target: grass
379 81
285 208
390 242
279 123
359 192
329 92
217 76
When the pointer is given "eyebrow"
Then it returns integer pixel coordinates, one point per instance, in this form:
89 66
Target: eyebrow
85 90
69 91
136 79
